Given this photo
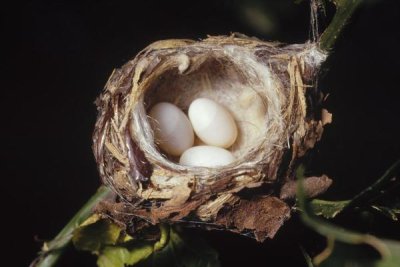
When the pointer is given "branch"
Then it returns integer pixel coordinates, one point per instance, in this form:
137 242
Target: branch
53 249
344 10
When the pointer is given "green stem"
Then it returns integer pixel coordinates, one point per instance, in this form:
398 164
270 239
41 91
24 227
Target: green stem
388 177
165 230
53 249
331 231
344 10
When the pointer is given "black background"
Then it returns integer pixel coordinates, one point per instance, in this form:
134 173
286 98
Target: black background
57 55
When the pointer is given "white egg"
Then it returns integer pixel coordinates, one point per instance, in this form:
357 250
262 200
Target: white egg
212 123
172 129
206 156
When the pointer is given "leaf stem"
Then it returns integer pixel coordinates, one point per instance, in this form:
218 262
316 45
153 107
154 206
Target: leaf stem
53 249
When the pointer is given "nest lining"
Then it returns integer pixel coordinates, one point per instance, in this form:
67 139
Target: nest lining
231 77
266 86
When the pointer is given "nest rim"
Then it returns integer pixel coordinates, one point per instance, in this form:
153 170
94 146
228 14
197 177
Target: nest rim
247 160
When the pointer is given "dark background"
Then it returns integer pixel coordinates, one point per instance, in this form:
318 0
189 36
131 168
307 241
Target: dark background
57 55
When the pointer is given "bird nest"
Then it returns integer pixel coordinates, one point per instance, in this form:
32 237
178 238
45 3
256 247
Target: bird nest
269 88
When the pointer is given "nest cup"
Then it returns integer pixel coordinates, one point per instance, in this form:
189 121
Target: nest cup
267 87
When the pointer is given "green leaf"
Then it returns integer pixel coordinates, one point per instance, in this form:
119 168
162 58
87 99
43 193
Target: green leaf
185 251
328 209
164 230
95 233
102 237
351 254
197 253
343 254
118 256
366 198
131 252
346 247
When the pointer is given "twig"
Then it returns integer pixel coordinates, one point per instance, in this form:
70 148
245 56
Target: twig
344 10
53 249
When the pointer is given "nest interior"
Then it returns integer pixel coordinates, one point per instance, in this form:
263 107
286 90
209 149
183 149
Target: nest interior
241 84
267 87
